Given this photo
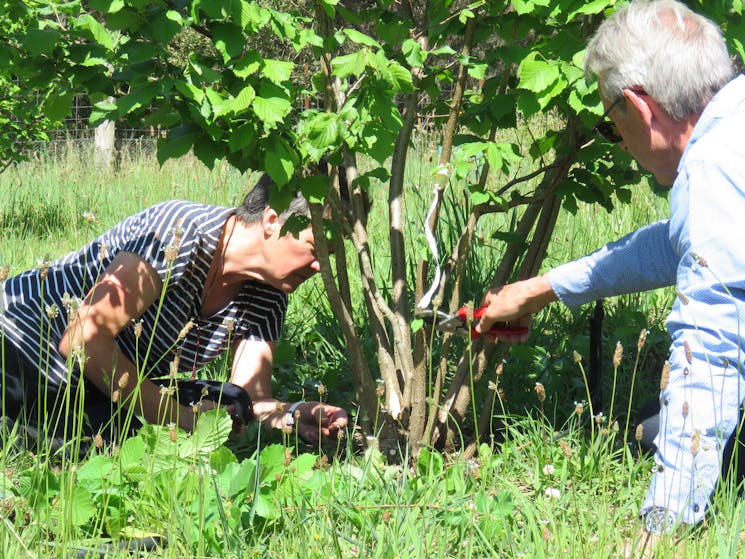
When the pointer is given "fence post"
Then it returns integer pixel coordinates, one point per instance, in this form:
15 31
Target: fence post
103 142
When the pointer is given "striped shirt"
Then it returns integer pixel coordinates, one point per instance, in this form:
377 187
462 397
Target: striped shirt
179 240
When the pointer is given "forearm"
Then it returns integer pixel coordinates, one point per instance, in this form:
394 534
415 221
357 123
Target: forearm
114 375
639 261
270 412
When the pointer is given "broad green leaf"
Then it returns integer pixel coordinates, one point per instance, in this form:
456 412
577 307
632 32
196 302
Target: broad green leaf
248 64
57 107
41 41
106 6
189 91
213 8
361 38
242 136
399 77
271 461
413 52
228 39
243 480
271 105
178 142
353 64
523 7
97 31
303 463
479 197
213 426
324 131
314 188
80 507
277 71
280 164
477 71
536 75
163 28
430 463
97 467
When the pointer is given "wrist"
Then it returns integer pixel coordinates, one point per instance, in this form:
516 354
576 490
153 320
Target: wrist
292 414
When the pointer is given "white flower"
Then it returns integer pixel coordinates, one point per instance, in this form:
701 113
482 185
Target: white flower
549 470
552 493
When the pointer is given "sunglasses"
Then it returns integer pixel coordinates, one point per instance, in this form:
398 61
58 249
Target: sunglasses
606 128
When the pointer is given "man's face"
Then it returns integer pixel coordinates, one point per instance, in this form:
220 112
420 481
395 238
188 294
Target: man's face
294 259
645 135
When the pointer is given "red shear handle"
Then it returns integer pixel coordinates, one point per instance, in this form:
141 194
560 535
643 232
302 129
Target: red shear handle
497 329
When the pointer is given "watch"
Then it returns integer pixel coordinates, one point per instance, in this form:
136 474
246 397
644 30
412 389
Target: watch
290 413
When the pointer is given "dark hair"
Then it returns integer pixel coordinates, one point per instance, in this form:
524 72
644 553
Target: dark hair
251 210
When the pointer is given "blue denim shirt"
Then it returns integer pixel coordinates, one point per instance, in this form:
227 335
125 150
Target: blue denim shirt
701 250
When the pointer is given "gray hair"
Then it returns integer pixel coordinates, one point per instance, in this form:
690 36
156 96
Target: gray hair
251 210
676 55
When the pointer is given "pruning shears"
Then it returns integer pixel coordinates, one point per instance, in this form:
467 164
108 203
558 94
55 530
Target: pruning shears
457 323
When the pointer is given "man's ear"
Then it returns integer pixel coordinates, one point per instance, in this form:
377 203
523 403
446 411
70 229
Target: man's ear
270 222
642 103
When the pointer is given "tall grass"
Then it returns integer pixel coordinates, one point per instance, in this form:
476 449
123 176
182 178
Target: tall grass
538 494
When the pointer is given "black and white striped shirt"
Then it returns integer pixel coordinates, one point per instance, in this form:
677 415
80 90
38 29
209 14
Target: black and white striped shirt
179 240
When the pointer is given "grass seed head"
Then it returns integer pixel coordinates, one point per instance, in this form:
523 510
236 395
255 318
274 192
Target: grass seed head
617 355
540 392
123 380
695 442
688 352
665 377
642 339
639 433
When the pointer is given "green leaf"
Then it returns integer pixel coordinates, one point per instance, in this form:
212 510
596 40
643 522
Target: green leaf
228 39
353 64
243 480
213 426
361 39
178 142
479 197
324 131
106 6
413 53
314 188
97 31
399 77
430 463
57 107
82 507
536 75
280 163
242 136
163 28
248 64
277 71
416 325
41 41
272 104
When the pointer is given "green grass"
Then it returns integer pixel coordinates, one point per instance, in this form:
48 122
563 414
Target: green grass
533 495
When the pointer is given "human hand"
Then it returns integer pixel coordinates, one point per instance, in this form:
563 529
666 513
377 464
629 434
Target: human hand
316 418
515 304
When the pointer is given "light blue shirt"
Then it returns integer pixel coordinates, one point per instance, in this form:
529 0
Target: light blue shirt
701 250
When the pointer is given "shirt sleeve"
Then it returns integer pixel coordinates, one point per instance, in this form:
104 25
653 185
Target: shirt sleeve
640 261
163 235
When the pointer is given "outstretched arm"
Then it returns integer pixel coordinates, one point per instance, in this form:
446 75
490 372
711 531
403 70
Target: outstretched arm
252 370
515 303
